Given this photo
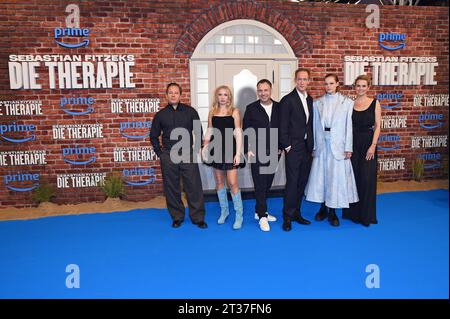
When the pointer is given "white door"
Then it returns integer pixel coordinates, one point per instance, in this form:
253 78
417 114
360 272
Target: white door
242 76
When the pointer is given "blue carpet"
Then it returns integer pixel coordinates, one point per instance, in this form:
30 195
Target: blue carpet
137 254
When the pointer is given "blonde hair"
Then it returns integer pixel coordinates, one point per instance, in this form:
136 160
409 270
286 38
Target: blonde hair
363 77
215 103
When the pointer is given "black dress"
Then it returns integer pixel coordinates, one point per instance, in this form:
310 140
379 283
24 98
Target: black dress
365 171
225 124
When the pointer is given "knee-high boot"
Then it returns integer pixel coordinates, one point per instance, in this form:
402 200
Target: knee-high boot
237 201
223 201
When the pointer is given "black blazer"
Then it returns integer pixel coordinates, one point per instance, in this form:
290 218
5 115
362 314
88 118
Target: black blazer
293 125
256 117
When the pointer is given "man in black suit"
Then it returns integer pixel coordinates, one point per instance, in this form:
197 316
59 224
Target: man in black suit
175 116
263 117
296 138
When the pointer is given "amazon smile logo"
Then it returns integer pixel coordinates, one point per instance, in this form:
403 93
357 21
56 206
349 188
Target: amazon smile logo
389 100
21 178
432 160
71 32
78 152
138 171
430 121
17 128
388 38
75 101
391 140
140 126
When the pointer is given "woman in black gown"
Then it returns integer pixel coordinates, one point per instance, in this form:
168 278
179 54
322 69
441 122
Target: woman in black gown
366 120
225 135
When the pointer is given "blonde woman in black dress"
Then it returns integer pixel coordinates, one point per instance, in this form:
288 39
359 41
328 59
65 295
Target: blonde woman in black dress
366 120
224 153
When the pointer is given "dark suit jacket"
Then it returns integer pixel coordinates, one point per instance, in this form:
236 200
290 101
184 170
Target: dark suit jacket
293 125
256 117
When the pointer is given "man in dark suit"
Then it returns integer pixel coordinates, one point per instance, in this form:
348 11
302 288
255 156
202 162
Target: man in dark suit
296 138
175 116
263 117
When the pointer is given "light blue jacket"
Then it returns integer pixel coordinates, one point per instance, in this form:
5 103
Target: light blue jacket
341 133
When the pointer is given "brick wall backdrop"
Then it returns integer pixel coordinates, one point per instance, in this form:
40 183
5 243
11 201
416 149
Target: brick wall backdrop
162 36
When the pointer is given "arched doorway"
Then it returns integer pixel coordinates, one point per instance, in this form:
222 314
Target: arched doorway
239 53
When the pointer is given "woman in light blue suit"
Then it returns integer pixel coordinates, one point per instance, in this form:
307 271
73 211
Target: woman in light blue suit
331 181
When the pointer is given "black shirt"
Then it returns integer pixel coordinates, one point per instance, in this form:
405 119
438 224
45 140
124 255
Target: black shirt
170 118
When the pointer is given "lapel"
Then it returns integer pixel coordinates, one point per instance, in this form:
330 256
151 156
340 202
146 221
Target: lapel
338 108
320 110
298 101
274 114
263 112
310 108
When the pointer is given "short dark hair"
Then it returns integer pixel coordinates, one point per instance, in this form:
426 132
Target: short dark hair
303 70
173 84
264 81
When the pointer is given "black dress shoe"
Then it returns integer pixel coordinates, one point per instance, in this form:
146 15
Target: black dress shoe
322 213
177 223
301 220
287 225
202 225
332 218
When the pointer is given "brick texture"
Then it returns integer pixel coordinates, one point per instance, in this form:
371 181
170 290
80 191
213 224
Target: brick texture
162 36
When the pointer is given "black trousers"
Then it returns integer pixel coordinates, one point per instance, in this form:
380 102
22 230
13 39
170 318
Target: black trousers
298 166
192 186
262 184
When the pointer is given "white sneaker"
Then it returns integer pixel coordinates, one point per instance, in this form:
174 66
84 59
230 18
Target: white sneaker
270 218
264 224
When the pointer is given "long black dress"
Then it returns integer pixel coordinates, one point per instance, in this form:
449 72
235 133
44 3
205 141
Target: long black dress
225 124
365 171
